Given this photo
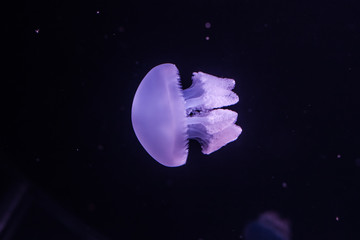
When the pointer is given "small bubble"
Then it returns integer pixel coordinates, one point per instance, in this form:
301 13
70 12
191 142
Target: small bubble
207 38
98 12
37 30
207 25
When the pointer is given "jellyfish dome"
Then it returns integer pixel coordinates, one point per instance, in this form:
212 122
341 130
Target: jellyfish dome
165 117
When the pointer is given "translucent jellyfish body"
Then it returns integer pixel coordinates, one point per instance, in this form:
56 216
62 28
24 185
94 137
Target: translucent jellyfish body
164 116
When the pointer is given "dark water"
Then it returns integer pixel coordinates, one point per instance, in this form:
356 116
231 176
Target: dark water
72 69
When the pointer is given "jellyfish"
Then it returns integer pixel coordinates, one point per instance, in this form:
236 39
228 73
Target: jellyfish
165 117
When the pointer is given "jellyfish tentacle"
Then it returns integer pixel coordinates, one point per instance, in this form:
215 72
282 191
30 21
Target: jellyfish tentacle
211 127
208 92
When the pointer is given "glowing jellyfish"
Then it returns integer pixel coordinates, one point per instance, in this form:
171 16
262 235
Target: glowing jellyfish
164 116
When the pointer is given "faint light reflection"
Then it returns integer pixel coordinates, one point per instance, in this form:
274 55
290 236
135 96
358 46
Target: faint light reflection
269 225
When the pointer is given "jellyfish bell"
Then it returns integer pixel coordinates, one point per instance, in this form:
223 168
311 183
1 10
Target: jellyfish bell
159 118
165 117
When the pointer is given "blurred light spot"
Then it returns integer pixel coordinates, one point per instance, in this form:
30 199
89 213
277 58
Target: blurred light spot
207 25
284 185
121 29
207 38
100 147
268 226
337 218
37 30
91 207
97 12
357 162
338 156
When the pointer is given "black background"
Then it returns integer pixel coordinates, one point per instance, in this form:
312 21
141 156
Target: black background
66 103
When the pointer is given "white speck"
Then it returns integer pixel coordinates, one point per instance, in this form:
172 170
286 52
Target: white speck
37 30
207 38
97 12
338 156
337 218
77 149
284 185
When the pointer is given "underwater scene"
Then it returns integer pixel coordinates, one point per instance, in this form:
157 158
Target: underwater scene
180 120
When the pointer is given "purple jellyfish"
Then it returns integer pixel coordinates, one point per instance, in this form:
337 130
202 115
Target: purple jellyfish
164 116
